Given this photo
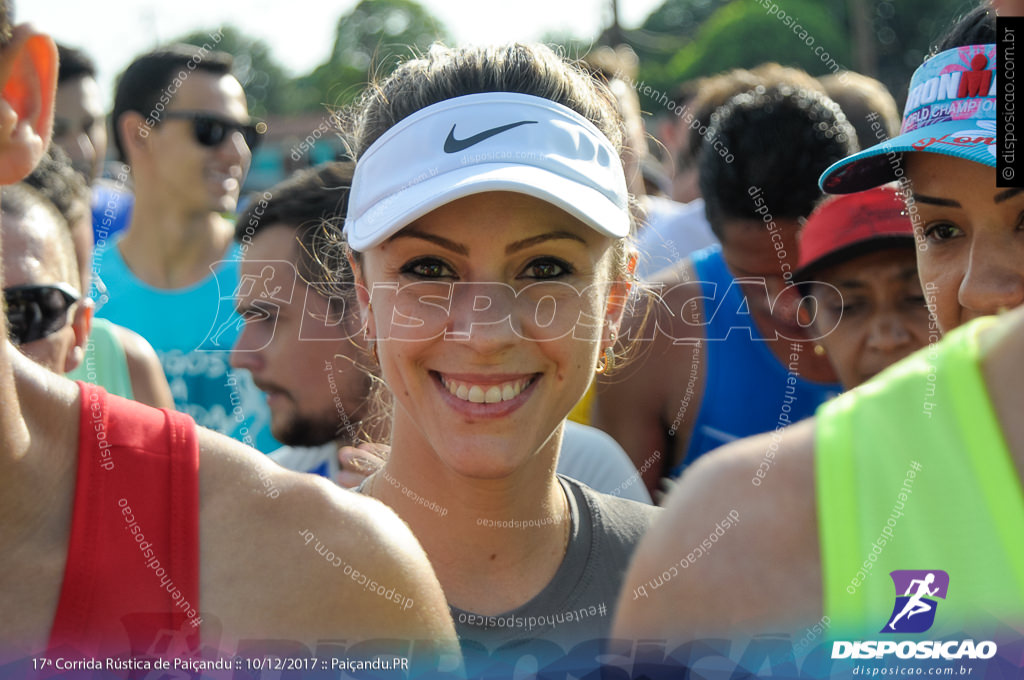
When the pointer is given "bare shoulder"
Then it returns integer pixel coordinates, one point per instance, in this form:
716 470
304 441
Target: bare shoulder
149 384
735 549
637 403
136 348
670 316
292 556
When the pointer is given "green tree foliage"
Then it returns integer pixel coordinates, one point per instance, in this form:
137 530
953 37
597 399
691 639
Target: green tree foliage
903 33
267 85
683 39
681 18
742 34
370 41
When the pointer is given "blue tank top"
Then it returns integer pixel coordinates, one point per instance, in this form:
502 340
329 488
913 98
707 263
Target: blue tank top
192 330
747 390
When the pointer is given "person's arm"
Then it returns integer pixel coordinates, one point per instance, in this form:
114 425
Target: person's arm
28 86
638 405
760 572
149 384
628 407
289 556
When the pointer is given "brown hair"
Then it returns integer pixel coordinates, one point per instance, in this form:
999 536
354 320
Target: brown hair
861 98
445 73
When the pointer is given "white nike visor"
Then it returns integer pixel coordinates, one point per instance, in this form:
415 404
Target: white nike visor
494 141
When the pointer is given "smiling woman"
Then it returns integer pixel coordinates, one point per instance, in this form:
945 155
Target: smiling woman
488 225
857 267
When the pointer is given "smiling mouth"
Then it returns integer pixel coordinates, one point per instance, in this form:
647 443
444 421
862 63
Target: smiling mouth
485 394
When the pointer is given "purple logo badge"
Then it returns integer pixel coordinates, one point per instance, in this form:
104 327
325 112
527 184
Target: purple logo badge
916 590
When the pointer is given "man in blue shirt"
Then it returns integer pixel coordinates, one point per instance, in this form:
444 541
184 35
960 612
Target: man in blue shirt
724 354
181 124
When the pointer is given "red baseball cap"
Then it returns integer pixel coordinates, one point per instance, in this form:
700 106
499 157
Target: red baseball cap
846 226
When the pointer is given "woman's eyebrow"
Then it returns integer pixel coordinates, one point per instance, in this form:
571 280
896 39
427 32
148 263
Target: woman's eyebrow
447 244
540 238
1008 194
932 200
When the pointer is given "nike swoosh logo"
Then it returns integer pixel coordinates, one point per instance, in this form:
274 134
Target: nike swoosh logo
452 145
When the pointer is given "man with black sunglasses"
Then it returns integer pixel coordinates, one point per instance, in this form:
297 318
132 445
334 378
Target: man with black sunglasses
117 359
182 125
44 317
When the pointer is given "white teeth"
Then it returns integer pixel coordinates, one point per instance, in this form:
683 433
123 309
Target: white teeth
491 394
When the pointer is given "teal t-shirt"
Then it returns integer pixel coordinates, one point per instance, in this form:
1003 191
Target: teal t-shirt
192 330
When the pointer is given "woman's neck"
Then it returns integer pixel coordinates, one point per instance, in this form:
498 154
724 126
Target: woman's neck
494 543
173 251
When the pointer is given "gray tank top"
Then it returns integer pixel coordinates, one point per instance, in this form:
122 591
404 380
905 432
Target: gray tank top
578 603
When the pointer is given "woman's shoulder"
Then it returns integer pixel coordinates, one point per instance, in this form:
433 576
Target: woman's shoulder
622 520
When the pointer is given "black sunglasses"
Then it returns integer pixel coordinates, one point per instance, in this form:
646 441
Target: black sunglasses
211 130
33 312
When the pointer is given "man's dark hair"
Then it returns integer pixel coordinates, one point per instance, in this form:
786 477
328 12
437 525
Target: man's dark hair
313 202
977 27
715 91
74 63
777 139
61 184
143 85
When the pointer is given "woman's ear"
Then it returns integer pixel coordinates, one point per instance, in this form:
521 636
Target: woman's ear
618 296
362 294
28 78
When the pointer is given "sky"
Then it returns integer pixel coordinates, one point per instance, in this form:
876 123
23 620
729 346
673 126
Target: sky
299 32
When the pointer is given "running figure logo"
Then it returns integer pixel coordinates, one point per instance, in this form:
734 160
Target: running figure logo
914 611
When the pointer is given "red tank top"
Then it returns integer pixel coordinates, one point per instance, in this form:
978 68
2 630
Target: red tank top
131 582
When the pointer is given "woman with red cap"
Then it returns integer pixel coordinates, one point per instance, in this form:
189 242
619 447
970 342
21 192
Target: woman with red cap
857 266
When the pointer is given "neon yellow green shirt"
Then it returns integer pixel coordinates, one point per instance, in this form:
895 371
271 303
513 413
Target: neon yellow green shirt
912 472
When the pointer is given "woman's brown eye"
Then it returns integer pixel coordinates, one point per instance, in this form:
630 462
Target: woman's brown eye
428 269
942 231
547 268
